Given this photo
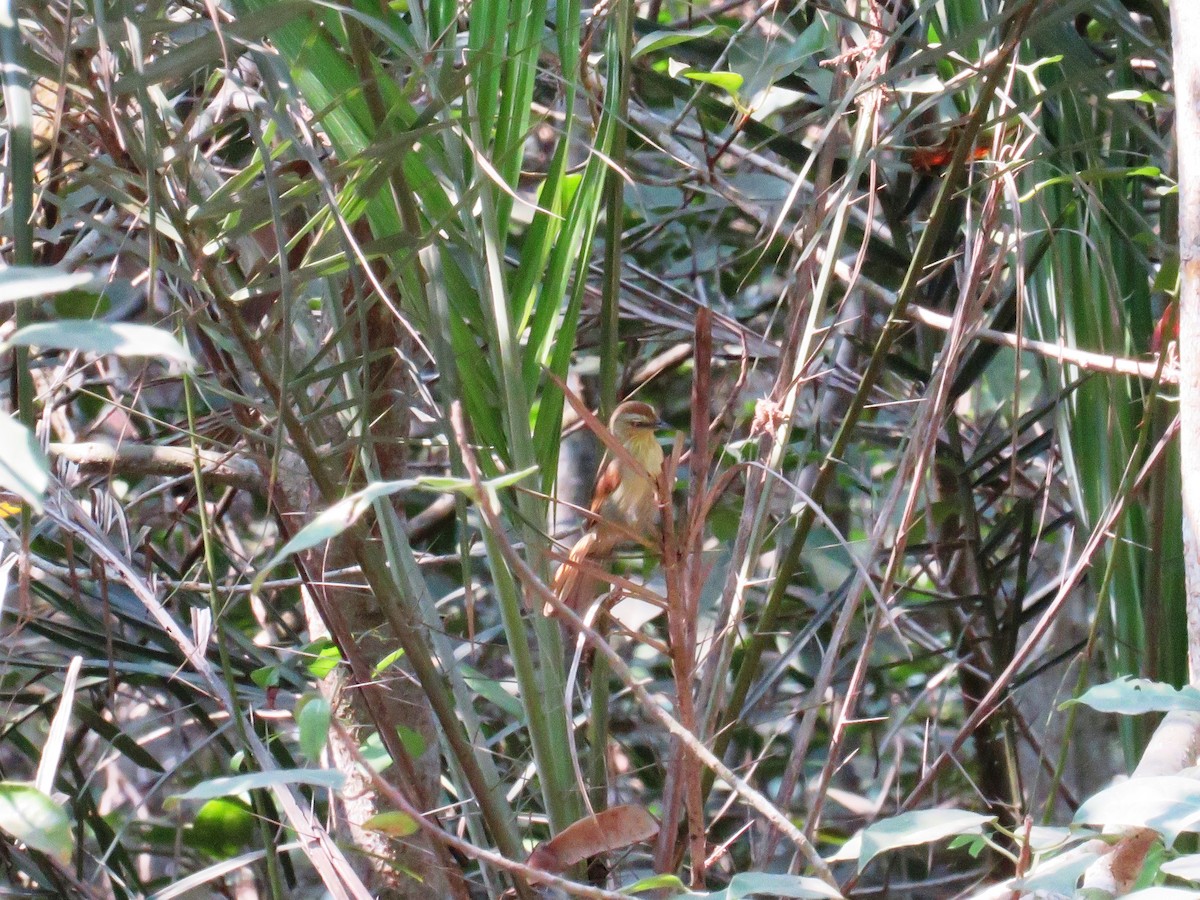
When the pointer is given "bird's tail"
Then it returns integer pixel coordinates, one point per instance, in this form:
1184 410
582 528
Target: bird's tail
572 585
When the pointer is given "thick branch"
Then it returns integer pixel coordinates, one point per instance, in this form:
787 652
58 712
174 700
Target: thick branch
99 458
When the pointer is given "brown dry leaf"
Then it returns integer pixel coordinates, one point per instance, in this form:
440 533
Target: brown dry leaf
610 829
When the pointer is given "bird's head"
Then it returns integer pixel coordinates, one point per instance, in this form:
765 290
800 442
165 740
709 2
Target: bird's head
634 420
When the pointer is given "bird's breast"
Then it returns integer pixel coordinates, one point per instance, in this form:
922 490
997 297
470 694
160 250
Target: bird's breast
633 501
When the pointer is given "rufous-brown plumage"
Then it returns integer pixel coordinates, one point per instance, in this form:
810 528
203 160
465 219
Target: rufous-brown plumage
623 504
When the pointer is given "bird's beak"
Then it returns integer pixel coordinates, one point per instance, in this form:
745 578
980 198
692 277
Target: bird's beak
661 425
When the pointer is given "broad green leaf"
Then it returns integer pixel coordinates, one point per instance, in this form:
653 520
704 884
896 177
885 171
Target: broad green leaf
660 40
729 82
266 676
413 741
752 884
493 691
374 753
228 785
1186 867
313 715
1134 696
224 826
656 882
75 304
747 884
326 657
333 521
24 469
1154 98
393 823
120 339
28 282
34 819
1170 804
911 829
1057 875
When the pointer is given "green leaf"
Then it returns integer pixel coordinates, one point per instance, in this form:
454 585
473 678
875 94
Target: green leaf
224 826
660 40
1057 875
333 521
729 82
348 510
911 829
28 282
76 304
237 784
327 657
266 676
750 884
1134 696
493 691
1169 804
1185 867
34 819
24 469
414 743
313 715
120 339
393 823
747 884
1154 98
387 662
656 882
374 753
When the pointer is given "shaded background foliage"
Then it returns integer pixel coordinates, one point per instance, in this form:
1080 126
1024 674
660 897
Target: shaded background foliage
821 228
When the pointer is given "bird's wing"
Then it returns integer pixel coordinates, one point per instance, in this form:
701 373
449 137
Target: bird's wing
606 486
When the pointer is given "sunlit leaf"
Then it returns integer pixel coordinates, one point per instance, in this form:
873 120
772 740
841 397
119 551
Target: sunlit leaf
238 784
24 468
747 884
333 521
223 827
28 282
660 40
119 338
34 819
911 829
1134 696
393 823
757 884
1169 804
666 882
729 82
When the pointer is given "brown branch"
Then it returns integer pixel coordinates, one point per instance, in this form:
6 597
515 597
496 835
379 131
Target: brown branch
98 458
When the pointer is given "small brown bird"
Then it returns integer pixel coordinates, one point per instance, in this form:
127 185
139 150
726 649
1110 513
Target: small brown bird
623 503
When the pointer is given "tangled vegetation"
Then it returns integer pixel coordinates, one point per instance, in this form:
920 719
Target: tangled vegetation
315 311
